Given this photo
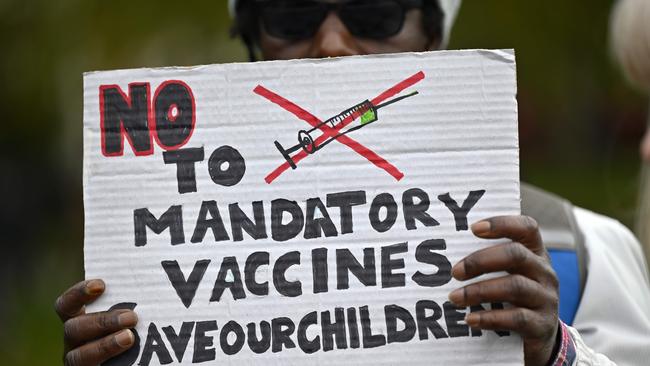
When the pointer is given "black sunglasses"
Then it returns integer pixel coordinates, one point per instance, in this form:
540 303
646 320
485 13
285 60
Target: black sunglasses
296 20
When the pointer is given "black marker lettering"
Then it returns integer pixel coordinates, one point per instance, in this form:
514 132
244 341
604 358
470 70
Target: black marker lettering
236 329
279 230
424 253
388 265
286 288
369 340
460 213
179 341
185 171
203 350
226 166
172 219
387 201
185 289
125 116
417 211
353 327
253 262
453 317
346 263
282 329
306 345
319 269
393 313
154 344
313 226
262 344
215 223
345 201
240 222
174 109
334 330
236 287
430 323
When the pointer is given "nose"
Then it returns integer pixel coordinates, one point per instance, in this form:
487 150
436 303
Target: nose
333 39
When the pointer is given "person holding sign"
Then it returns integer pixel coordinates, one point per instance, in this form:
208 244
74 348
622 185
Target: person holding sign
604 261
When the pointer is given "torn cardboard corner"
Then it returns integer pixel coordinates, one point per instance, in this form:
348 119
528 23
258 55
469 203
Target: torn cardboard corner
300 212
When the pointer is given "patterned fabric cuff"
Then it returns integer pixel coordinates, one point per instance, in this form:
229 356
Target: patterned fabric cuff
566 355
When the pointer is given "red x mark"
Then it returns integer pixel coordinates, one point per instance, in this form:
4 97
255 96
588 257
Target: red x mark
329 132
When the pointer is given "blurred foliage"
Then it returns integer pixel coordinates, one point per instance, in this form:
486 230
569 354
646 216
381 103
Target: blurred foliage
580 124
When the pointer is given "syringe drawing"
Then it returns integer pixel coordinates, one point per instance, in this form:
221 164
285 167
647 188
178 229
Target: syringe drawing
334 128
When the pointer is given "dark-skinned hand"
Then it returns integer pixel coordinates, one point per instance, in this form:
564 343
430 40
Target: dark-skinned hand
90 339
530 285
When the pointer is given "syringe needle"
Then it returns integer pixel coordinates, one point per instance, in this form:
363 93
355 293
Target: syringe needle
397 99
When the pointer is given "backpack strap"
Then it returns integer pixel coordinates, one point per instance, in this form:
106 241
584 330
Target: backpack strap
564 242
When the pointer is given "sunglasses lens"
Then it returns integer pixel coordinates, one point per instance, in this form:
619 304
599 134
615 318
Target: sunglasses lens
374 19
292 20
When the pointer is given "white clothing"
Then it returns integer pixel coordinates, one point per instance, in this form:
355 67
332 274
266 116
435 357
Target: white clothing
614 314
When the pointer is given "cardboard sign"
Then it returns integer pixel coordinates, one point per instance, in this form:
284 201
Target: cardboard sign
300 212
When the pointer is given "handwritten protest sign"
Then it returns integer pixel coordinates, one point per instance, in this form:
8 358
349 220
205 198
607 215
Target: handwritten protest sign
299 212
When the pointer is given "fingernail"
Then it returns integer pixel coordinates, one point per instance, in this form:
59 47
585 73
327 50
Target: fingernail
95 287
481 227
456 296
124 338
472 320
127 319
458 271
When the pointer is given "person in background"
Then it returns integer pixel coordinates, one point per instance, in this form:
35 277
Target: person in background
630 39
608 311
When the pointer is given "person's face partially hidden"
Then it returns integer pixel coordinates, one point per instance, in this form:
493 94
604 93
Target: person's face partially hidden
334 39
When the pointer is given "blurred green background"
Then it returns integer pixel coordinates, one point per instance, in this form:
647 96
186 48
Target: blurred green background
580 123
